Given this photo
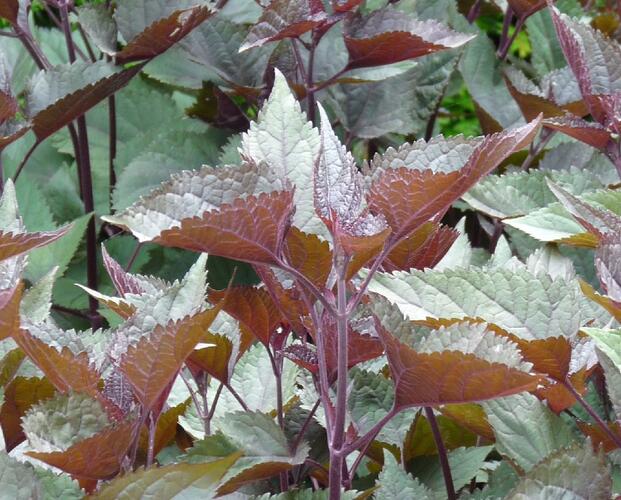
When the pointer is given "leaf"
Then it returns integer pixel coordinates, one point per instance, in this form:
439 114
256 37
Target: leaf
465 464
10 10
252 307
408 196
97 457
526 430
573 472
66 370
37 301
162 34
283 137
373 40
60 422
393 483
100 26
18 479
59 95
284 19
19 396
218 359
265 447
152 364
420 441
178 479
469 416
9 311
528 306
249 228
525 8
165 430
8 103
455 371
590 133
309 255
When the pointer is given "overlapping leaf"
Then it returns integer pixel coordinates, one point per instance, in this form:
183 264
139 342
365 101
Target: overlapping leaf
241 213
458 365
408 195
285 19
388 36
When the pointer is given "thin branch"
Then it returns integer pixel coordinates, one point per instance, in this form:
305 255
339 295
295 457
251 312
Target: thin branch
278 375
236 395
8 34
133 256
305 426
446 467
363 441
151 449
68 310
192 392
214 403
25 160
602 425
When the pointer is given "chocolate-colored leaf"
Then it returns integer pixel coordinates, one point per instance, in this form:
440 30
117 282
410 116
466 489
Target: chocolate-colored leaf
165 429
237 212
285 19
97 457
8 103
9 9
217 359
590 133
163 34
424 248
253 307
152 364
59 95
525 8
19 396
309 255
458 365
470 416
9 311
387 36
408 196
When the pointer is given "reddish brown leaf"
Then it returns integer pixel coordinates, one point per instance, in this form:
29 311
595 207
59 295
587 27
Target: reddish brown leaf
252 307
449 377
98 457
607 303
163 34
123 281
408 198
216 359
309 255
9 10
424 248
471 416
250 229
285 19
598 437
550 356
19 396
590 133
345 5
16 244
68 108
165 430
66 370
152 364
557 395
387 36
525 8
532 105
9 310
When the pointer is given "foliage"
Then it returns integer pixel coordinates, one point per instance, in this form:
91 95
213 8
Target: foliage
290 284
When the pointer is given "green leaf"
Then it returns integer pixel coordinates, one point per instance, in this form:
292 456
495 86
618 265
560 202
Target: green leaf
37 300
58 486
547 53
57 254
574 472
97 22
283 137
57 424
394 483
526 430
18 480
529 306
465 464
182 480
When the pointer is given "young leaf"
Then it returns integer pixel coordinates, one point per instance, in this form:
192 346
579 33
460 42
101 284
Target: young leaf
283 138
372 40
285 19
100 26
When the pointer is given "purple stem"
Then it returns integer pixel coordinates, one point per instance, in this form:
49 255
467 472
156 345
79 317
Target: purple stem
446 468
